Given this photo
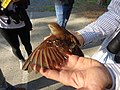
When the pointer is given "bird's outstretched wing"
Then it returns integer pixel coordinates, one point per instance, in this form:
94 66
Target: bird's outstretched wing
52 51
47 54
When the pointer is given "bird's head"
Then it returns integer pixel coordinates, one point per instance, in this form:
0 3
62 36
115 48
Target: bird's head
55 28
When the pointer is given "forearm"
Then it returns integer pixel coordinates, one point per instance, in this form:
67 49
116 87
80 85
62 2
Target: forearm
102 27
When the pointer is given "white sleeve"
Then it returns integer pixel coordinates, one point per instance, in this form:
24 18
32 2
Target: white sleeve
105 25
102 27
114 70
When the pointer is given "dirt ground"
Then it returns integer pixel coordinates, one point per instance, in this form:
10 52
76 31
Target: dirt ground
88 9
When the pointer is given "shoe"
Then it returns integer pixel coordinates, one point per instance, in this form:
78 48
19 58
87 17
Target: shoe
21 63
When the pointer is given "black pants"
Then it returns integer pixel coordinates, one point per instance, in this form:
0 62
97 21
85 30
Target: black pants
12 36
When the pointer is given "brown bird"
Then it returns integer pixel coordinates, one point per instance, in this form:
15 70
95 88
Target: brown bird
52 51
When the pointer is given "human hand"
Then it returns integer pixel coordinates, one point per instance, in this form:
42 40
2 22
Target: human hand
79 37
81 73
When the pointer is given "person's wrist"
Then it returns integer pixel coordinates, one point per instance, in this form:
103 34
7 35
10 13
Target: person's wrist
79 37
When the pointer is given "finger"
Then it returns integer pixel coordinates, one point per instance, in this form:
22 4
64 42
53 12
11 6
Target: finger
51 74
60 76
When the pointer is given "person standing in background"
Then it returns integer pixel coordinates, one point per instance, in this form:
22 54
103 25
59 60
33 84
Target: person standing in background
15 24
63 10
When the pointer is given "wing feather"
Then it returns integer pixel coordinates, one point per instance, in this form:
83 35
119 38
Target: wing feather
41 58
49 53
51 62
58 56
29 60
36 60
46 58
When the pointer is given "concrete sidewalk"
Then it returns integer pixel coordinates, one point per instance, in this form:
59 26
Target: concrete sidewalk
10 65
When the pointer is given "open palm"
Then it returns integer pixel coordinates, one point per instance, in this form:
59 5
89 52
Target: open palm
81 73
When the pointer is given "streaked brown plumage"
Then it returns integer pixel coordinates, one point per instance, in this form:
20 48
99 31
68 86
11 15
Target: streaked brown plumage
52 51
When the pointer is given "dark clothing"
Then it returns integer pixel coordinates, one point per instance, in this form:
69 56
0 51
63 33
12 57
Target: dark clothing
23 3
24 16
114 47
12 36
19 14
62 2
12 32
